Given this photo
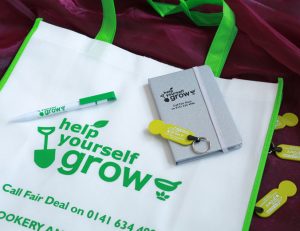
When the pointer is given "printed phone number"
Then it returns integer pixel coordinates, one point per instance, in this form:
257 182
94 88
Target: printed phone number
119 223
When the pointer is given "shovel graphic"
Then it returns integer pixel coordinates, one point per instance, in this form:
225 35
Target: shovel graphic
45 157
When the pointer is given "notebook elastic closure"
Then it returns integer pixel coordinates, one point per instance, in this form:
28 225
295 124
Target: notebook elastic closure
210 109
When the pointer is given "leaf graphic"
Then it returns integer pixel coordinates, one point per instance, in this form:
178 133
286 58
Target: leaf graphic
100 123
158 194
167 196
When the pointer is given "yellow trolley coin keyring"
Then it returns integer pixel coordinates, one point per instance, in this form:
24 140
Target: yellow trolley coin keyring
288 119
178 135
276 198
286 151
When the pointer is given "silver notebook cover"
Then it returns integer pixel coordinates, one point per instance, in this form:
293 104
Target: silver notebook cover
192 99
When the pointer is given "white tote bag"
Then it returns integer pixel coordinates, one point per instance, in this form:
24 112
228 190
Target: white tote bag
104 171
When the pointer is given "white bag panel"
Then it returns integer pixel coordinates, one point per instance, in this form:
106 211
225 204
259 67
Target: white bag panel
59 66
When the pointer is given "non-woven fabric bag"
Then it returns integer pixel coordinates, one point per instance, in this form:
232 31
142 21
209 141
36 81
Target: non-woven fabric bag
105 171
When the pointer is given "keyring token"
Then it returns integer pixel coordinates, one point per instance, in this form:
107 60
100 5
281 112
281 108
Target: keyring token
170 132
290 119
288 152
276 198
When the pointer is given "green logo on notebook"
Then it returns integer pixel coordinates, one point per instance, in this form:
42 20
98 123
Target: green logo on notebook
83 151
171 95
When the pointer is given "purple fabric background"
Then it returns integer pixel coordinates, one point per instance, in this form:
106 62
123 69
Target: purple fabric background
267 46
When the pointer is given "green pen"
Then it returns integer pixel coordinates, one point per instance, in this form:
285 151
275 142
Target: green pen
79 104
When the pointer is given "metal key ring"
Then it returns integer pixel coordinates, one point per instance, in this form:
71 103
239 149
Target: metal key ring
199 139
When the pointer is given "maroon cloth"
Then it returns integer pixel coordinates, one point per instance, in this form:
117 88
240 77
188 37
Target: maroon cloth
267 46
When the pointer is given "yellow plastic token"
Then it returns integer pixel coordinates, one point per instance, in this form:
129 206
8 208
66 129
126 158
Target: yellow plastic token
280 123
289 152
271 202
290 119
170 132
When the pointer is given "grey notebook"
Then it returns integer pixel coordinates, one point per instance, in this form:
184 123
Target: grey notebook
192 99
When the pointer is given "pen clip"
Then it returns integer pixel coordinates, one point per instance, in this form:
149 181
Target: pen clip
109 96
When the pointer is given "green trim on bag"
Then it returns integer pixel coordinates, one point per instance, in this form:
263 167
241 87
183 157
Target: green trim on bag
198 18
19 53
109 22
222 42
164 9
226 32
263 158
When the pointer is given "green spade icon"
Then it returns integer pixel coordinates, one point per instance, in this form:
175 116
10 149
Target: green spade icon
45 157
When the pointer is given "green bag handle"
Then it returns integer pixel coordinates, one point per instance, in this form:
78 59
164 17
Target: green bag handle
109 23
226 32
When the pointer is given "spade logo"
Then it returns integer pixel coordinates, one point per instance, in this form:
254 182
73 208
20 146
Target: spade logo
45 157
